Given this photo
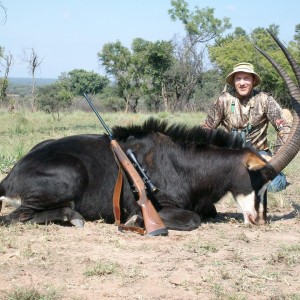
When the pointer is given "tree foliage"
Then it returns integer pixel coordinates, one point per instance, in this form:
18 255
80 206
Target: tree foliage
79 81
182 78
109 99
154 59
116 60
238 46
138 71
294 46
167 75
53 99
186 74
208 91
201 24
6 64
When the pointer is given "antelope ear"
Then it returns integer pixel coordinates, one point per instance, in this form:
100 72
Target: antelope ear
253 162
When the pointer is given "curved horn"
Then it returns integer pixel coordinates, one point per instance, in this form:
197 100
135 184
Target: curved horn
289 150
291 60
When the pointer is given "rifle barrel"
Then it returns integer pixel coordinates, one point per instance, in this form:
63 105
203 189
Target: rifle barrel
98 115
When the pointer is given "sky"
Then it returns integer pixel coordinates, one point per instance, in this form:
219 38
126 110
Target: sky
68 34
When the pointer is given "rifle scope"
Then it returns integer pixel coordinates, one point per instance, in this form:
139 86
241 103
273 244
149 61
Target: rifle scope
142 172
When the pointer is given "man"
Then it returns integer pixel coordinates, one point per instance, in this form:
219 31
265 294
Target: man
248 112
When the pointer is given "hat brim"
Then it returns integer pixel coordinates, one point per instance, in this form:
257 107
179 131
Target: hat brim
230 78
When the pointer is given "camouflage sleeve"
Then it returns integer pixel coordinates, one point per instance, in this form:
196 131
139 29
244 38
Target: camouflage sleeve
278 121
215 115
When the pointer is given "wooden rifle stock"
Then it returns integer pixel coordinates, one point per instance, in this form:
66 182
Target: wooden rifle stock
153 223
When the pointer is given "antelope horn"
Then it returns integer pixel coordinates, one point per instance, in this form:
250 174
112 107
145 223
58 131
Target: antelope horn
290 149
291 60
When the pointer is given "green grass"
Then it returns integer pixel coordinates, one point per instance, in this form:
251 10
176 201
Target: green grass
6 163
199 247
21 131
223 271
28 293
103 268
289 255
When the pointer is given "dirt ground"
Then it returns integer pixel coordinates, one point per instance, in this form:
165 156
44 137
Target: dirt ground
222 259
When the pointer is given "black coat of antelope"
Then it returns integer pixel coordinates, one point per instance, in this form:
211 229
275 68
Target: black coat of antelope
72 179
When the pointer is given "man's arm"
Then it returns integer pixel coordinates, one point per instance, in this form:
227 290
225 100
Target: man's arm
215 115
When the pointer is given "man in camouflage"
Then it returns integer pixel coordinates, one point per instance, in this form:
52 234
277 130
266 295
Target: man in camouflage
248 112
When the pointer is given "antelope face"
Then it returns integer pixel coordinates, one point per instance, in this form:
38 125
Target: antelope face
253 207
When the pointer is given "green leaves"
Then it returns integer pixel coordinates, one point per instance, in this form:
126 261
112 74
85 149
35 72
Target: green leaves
201 23
238 46
53 98
137 71
79 81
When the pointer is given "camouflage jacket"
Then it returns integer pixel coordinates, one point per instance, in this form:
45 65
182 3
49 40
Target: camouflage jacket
251 116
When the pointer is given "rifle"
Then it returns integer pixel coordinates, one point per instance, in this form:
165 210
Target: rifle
142 172
153 223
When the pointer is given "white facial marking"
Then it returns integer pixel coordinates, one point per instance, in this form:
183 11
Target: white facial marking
14 202
247 205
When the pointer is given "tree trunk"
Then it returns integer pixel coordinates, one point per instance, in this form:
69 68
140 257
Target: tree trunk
165 98
33 102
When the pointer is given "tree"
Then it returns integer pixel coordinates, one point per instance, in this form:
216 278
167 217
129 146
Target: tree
109 99
208 91
200 25
33 62
153 60
201 28
53 99
234 48
138 73
79 81
183 76
227 52
116 60
294 46
237 33
8 61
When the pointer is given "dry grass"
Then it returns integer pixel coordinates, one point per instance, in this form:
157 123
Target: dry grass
222 259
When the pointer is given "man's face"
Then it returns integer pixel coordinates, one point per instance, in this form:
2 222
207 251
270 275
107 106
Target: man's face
243 83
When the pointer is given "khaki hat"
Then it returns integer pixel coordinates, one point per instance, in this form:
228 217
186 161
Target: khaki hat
246 68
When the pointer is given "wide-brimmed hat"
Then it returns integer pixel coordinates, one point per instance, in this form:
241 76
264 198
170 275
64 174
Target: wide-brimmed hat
246 68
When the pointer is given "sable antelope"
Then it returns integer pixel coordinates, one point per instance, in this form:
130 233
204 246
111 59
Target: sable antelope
72 178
